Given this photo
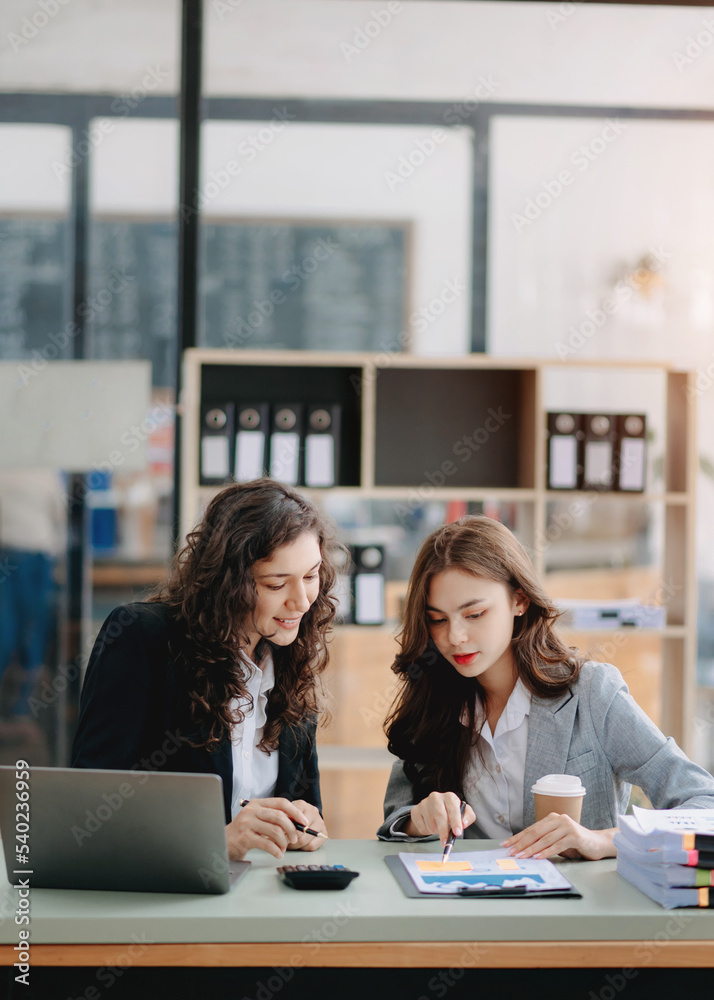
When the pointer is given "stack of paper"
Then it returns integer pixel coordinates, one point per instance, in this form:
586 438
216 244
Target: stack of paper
668 854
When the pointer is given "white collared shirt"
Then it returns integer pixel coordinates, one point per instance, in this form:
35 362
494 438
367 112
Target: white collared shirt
255 773
495 792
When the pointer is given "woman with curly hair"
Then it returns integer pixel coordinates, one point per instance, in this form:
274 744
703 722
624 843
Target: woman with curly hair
491 700
218 672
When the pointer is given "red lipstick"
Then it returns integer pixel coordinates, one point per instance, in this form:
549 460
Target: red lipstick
465 658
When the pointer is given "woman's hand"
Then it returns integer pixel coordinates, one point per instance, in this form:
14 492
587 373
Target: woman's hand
559 834
439 813
305 841
268 825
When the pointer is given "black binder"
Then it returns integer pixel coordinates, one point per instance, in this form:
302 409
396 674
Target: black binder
322 434
599 451
565 437
369 580
251 450
217 426
286 429
631 465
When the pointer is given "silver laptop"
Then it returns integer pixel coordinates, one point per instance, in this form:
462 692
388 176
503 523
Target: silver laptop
146 831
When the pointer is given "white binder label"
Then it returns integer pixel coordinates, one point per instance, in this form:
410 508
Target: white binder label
598 463
563 463
369 598
632 464
284 455
215 462
319 460
250 452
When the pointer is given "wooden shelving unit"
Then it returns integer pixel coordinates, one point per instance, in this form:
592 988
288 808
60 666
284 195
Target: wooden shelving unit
406 416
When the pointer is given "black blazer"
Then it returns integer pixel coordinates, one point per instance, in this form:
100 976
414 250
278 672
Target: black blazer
134 710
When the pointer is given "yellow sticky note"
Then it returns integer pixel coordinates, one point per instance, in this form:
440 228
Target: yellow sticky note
507 865
443 866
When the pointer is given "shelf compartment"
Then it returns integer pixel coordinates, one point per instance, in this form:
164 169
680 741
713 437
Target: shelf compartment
454 428
318 384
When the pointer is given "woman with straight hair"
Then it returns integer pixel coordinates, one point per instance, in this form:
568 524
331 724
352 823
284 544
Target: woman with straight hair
491 700
219 671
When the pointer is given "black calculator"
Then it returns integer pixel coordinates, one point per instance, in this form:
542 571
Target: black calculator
317 876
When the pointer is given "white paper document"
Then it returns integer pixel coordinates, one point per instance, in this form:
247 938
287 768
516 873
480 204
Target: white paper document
481 870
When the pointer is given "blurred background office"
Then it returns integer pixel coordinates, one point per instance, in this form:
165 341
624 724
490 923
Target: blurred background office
483 176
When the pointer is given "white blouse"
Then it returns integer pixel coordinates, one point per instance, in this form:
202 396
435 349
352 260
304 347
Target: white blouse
495 792
255 773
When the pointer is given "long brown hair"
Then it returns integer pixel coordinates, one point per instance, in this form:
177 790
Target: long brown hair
425 726
213 595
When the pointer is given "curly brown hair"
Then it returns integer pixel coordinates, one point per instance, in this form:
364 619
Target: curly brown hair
213 595
425 723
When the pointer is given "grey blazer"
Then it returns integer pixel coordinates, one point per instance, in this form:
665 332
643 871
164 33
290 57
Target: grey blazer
597 731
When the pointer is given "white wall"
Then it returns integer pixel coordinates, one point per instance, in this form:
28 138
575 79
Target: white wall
600 54
574 217
353 172
32 169
431 49
134 168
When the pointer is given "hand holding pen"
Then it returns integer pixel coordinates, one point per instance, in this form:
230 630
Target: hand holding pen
271 824
298 826
452 836
439 813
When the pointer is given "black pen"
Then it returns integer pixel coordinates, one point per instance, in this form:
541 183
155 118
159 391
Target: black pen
298 826
451 838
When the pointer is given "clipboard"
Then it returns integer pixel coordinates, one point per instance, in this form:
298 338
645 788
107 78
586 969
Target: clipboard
409 889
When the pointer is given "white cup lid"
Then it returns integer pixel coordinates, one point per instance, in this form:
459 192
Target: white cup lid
559 784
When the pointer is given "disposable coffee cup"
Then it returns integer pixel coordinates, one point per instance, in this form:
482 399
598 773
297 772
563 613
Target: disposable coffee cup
558 793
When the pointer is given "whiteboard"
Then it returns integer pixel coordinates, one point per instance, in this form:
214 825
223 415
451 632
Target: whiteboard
75 415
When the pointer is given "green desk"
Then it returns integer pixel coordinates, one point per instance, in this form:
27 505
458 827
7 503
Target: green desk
264 923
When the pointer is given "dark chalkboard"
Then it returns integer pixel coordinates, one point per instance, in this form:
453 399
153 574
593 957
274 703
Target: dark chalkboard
307 286
132 281
264 284
34 283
